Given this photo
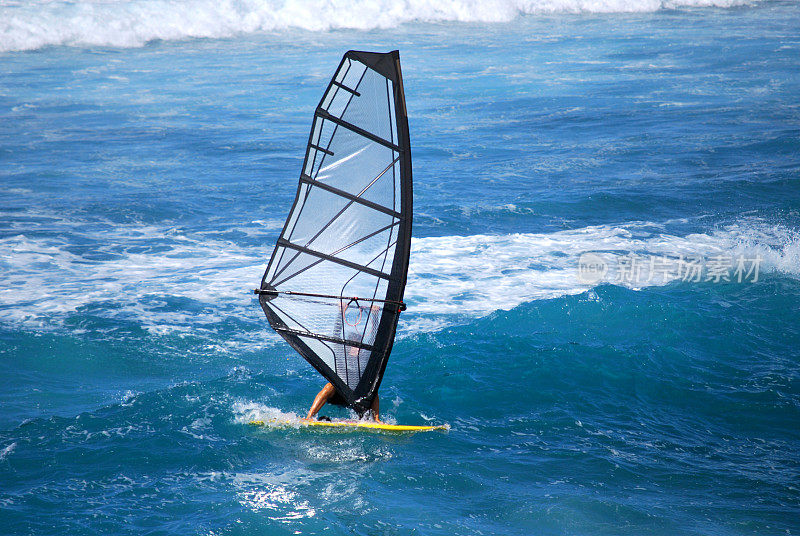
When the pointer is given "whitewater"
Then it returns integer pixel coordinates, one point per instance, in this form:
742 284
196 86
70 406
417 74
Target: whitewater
452 277
126 23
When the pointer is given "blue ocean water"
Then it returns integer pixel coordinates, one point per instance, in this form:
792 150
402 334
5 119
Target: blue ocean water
149 154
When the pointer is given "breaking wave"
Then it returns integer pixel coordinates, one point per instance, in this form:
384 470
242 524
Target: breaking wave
201 279
31 25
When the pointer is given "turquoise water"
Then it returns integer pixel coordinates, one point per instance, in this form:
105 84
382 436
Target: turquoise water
143 184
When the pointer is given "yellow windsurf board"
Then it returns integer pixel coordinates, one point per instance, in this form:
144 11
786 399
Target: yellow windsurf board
353 424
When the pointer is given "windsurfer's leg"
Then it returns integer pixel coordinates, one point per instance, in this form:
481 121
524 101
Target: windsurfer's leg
322 397
374 409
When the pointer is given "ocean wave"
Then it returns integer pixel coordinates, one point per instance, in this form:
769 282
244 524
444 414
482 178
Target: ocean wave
132 23
478 274
7 450
194 281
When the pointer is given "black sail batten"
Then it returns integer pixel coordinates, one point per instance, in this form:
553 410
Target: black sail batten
360 131
350 196
271 292
331 258
334 286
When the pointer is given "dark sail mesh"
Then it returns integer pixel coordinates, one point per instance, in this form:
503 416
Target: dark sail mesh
335 282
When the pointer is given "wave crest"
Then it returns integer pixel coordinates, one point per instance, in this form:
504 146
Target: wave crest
133 23
200 280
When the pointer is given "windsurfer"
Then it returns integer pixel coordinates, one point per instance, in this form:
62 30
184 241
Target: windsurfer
349 358
328 393
334 285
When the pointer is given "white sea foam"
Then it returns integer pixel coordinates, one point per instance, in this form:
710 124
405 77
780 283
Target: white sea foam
270 494
33 24
6 451
478 274
247 412
201 280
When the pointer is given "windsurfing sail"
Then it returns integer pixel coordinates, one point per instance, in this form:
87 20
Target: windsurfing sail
334 285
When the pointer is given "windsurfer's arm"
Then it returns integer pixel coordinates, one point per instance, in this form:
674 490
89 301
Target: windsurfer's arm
322 397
